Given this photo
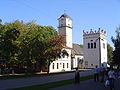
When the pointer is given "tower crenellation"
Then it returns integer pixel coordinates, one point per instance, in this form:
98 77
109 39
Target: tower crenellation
99 31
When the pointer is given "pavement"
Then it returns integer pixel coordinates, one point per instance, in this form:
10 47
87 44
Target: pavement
88 85
29 81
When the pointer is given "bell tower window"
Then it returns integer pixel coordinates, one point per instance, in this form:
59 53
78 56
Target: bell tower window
94 45
91 45
88 45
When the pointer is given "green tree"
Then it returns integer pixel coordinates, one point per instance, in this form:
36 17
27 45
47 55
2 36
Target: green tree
8 46
54 49
109 53
33 44
28 44
1 40
116 52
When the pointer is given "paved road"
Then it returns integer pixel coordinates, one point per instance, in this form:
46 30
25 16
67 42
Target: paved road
88 85
15 83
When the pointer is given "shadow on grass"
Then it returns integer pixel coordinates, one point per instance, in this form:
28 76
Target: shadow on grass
27 75
52 84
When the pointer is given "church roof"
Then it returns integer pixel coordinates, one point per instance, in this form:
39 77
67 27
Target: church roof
65 16
77 50
66 47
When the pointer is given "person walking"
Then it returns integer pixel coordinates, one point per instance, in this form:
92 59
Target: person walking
111 78
96 73
102 73
77 76
106 72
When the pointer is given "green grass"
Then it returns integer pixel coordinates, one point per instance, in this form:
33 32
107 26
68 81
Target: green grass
4 77
52 84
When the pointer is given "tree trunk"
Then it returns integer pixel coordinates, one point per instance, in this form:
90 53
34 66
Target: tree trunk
48 66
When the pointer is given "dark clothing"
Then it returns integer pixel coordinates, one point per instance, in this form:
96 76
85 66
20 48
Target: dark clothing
111 83
96 77
102 76
77 77
102 73
106 73
96 74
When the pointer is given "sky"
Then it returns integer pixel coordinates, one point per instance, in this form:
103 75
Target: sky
86 14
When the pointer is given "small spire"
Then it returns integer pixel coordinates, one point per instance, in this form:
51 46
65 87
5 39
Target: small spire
98 28
104 32
64 11
83 31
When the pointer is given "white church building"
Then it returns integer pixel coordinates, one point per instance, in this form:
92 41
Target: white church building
82 57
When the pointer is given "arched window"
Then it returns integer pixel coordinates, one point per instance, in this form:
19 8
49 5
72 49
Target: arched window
63 65
94 44
91 45
61 24
53 66
67 65
88 45
57 65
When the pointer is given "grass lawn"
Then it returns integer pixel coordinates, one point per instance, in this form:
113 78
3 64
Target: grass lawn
52 84
4 77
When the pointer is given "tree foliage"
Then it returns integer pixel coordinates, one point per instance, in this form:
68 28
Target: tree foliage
27 44
109 53
116 52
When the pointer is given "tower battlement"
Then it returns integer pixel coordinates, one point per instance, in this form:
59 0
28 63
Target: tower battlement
99 31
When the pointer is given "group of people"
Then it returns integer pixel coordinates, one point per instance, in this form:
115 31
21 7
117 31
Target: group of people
102 74
106 74
99 72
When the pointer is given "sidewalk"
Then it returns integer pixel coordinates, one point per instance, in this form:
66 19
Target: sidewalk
88 85
29 81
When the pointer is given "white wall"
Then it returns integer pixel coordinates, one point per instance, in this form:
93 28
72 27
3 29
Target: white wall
64 64
65 29
75 60
92 56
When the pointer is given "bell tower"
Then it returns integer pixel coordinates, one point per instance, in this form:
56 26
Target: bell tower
95 48
65 29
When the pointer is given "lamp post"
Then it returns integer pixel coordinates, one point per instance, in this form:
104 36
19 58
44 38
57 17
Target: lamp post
99 52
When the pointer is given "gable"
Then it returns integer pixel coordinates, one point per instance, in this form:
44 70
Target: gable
77 50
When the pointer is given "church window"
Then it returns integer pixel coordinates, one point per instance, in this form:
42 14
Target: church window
53 66
104 45
63 65
63 56
94 45
86 63
67 65
91 45
57 65
61 24
88 45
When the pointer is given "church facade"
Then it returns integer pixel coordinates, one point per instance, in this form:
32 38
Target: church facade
79 56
